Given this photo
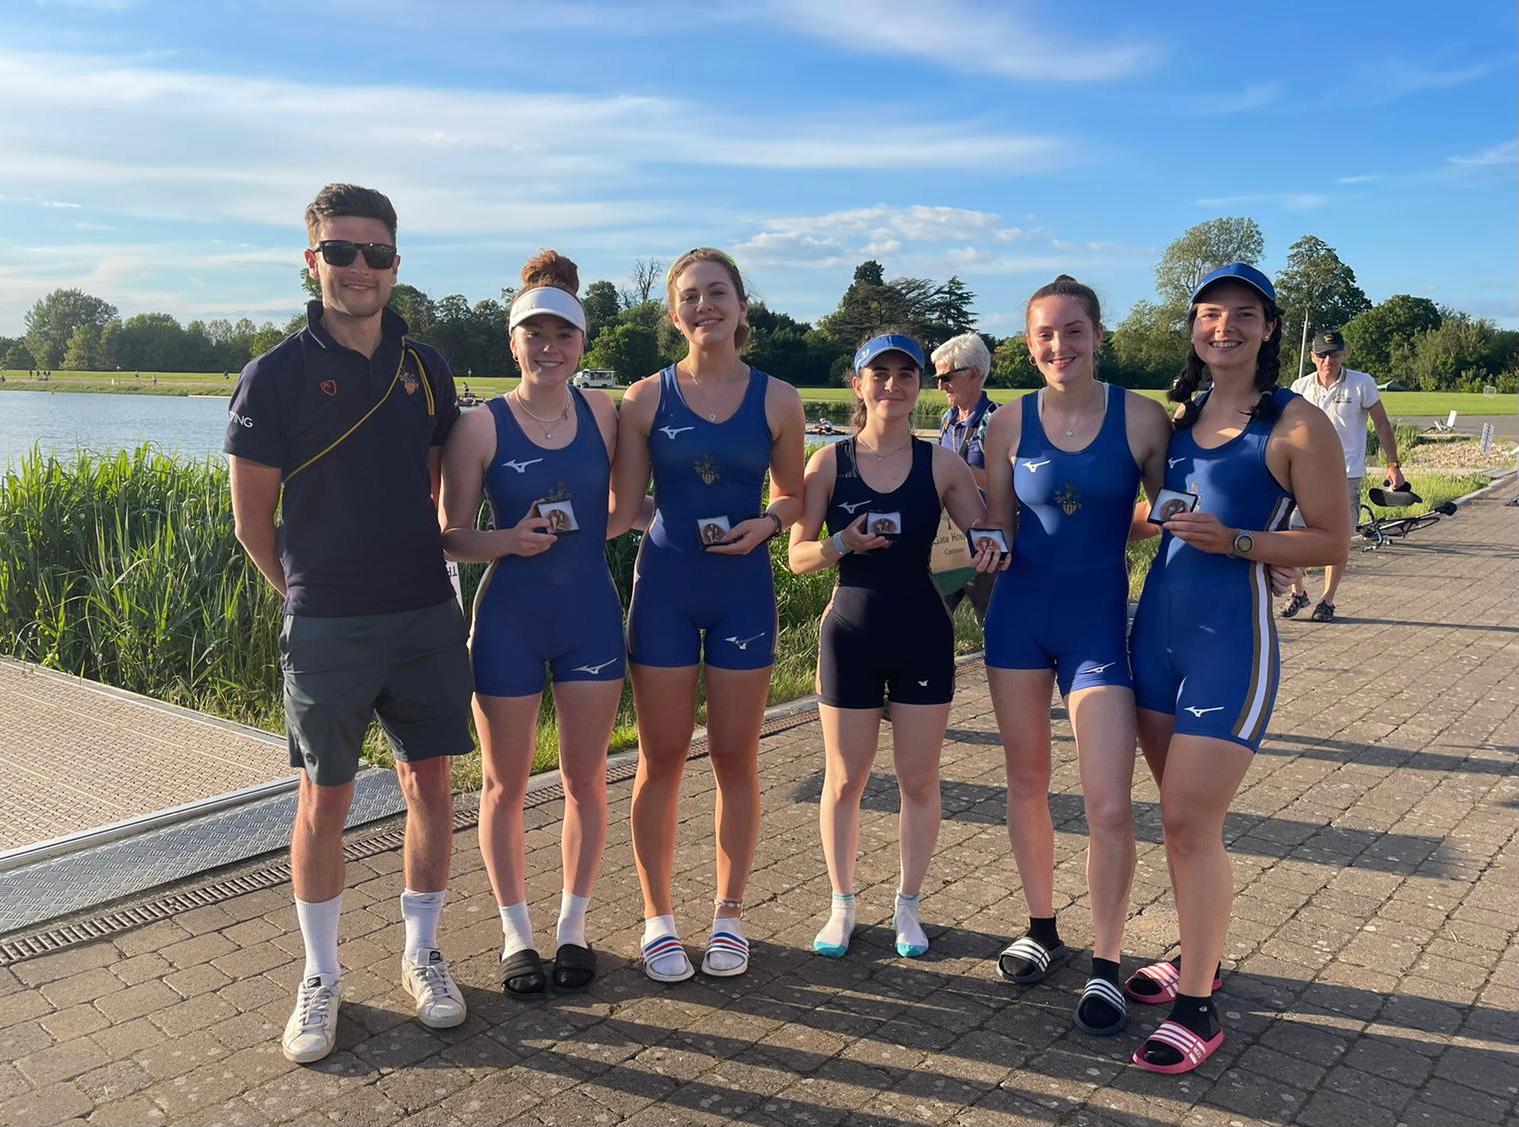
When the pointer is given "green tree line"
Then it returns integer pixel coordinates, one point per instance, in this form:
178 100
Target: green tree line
1406 340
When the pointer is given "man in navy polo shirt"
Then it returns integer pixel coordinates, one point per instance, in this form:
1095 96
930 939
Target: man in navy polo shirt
340 427
960 367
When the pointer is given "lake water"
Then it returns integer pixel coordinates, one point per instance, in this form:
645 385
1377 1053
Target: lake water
68 421
189 426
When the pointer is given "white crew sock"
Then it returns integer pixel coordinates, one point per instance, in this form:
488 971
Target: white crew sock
653 928
571 919
726 960
517 928
319 932
911 939
840 926
419 915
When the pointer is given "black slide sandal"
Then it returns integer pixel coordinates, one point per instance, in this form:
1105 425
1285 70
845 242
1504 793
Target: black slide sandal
523 967
574 967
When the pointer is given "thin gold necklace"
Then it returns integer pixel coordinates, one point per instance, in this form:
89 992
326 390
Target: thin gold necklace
888 454
552 420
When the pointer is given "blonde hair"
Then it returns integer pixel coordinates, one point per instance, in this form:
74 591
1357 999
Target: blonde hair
712 254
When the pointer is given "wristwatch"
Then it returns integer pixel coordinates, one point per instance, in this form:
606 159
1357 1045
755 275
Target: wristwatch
1243 542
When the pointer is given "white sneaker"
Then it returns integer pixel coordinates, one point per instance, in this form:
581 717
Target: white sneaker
439 1003
313 1028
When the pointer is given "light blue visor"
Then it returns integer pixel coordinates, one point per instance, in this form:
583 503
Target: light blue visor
888 342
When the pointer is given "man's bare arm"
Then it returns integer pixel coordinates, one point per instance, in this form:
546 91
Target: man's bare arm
255 496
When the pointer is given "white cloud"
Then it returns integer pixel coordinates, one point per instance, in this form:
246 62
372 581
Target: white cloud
1287 201
185 145
1365 178
1502 155
1251 98
1005 40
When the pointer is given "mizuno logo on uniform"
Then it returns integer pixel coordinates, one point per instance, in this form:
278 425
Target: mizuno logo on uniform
1172 461
1033 467
743 643
851 506
1198 712
671 432
1101 668
521 467
594 670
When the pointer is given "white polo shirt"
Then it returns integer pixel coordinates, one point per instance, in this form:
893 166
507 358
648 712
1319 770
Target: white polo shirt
1348 403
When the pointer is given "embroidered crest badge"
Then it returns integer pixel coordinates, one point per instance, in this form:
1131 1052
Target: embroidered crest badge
707 469
1068 498
410 383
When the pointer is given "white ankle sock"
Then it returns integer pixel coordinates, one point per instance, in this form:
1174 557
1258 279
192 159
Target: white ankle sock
910 935
319 932
653 928
726 960
571 919
840 926
419 914
517 928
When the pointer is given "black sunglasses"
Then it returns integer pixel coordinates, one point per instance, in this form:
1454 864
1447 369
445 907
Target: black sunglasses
945 377
342 252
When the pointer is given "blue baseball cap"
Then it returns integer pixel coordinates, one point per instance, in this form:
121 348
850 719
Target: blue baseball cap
1238 272
888 342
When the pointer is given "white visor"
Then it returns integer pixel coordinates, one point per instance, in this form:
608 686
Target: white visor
546 299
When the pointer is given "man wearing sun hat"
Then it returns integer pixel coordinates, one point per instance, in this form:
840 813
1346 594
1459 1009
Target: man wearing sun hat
1349 398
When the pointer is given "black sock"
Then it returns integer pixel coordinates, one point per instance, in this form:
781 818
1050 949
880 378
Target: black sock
1094 1010
1148 987
1044 931
1196 1014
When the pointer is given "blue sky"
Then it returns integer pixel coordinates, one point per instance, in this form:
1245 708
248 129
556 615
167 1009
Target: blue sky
160 154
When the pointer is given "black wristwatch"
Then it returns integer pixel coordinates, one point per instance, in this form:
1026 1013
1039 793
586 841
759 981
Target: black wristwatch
1243 542
778 525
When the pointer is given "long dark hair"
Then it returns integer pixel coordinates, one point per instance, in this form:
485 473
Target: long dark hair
1268 369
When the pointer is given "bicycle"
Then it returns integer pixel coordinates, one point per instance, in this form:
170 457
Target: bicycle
1379 531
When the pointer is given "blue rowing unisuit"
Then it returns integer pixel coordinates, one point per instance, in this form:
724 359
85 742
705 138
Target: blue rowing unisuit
1063 603
689 604
1204 643
559 607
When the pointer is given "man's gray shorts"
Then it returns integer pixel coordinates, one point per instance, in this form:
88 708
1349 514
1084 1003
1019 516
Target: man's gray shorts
411 670
1353 492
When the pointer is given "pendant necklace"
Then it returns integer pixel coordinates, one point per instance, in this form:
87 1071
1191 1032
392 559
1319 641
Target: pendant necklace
710 416
552 420
888 454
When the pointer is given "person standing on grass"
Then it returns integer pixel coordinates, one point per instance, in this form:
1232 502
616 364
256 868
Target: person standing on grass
339 428
1203 649
547 600
886 633
960 368
1064 467
707 429
1349 398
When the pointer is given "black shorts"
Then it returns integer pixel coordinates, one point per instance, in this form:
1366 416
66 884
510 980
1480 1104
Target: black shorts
411 670
871 648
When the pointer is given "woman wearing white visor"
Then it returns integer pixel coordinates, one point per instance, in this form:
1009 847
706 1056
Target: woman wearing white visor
542 455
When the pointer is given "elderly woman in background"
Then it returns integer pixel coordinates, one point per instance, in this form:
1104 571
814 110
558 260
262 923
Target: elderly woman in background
961 365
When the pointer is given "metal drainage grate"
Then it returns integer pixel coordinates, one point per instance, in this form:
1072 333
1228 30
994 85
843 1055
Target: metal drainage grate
466 816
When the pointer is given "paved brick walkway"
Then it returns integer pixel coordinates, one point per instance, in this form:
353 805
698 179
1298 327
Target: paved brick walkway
1371 968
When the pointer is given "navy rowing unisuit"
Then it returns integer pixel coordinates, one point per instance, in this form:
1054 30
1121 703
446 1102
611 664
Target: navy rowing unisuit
689 604
886 632
1204 642
560 607
1063 603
